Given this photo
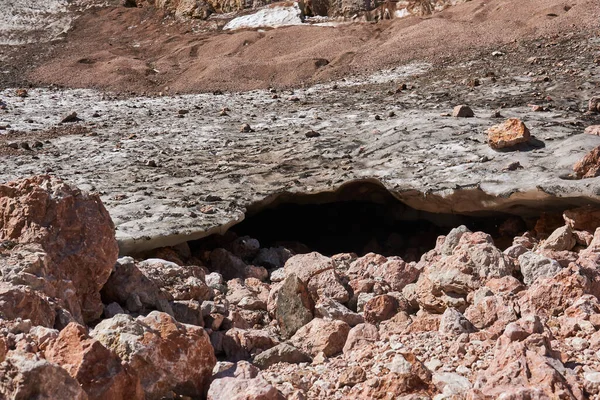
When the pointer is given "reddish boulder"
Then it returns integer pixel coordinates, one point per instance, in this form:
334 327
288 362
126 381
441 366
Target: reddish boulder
321 335
97 369
169 357
22 302
72 236
380 308
589 165
525 366
508 134
551 296
585 218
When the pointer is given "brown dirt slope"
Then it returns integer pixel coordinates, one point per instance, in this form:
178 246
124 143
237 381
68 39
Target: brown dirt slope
132 50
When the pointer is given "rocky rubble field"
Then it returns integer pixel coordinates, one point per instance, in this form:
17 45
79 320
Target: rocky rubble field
228 319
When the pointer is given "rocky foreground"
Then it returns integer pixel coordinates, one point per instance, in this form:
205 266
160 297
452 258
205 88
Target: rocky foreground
466 321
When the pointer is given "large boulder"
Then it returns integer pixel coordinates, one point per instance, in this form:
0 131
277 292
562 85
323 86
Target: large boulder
295 307
62 243
318 273
461 269
534 266
526 366
169 357
27 377
321 335
97 369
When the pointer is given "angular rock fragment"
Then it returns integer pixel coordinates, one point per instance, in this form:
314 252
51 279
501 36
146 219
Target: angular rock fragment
589 165
97 369
463 111
508 134
295 307
169 357
321 335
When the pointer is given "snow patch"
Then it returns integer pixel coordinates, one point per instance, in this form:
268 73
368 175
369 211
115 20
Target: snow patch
269 17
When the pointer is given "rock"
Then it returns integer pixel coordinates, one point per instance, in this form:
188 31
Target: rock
22 302
97 369
594 104
585 218
591 382
312 134
508 134
380 308
227 264
525 366
321 335
26 377
560 240
169 357
135 290
351 376
181 283
412 377
327 284
463 111
593 130
395 272
281 353
451 384
589 165
65 243
491 311
329 308
360 335
534 266
552 296
447 281
295 307
129 3
250 294
306 266
246 128
452 239
453 323
241 344
72 117
242 389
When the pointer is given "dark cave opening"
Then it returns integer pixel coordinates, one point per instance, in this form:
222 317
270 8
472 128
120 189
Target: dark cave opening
361 218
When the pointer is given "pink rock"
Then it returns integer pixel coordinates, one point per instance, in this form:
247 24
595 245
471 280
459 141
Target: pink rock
62 235
321 335
467 266
22 302
242 389
525 366
169 357
380 308
97 369
359 336
305 266
585 218
551 296
240 344
395 272
412 378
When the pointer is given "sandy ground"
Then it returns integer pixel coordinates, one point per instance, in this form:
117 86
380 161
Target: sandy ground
138 50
